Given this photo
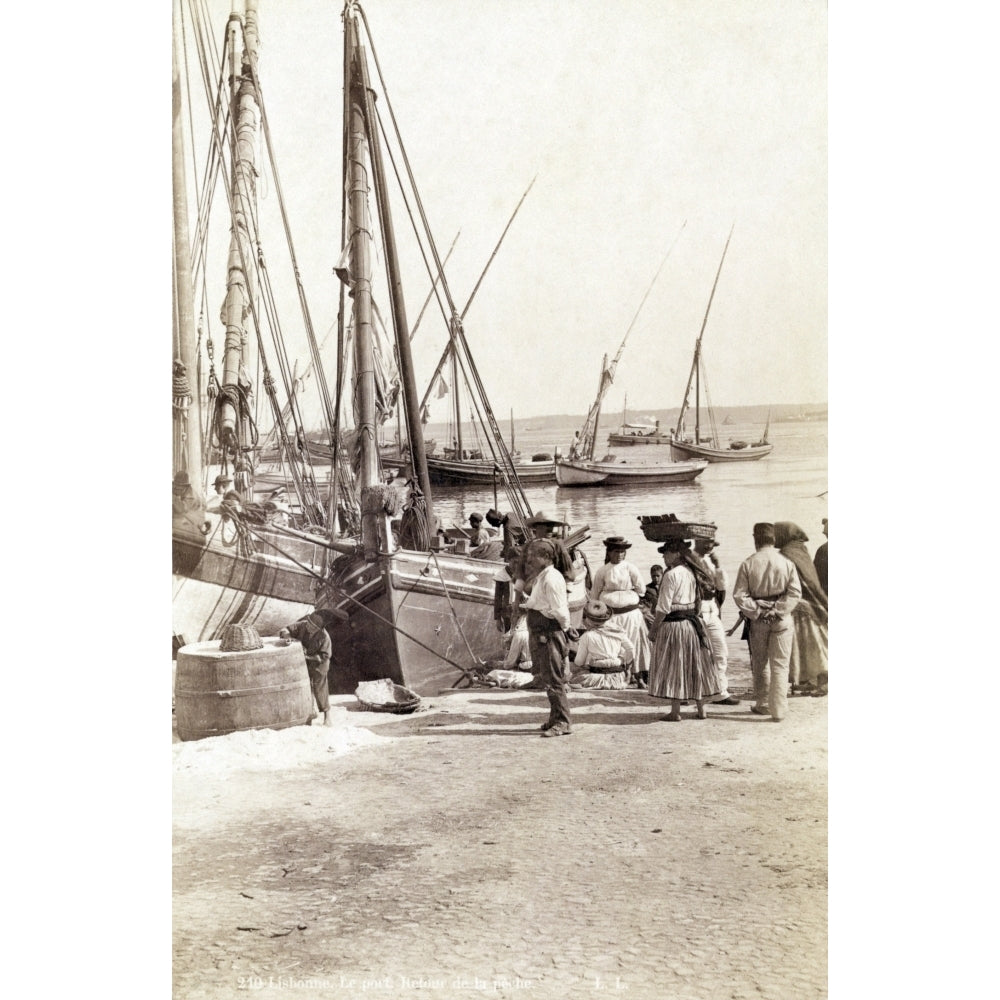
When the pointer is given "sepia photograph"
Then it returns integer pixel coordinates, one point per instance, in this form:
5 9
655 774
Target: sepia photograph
500 500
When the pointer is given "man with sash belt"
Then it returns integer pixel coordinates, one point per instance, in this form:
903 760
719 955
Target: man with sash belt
767 589
547 608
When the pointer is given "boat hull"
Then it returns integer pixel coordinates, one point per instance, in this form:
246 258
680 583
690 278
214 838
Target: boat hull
214 585
417 618
574 473
751 453
445 472
629 440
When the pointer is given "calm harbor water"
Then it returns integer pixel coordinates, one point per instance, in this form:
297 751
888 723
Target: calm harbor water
785 486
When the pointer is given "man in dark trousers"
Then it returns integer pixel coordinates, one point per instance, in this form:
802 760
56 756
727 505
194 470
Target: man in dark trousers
317 647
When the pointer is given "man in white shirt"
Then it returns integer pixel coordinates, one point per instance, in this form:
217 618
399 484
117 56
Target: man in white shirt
767 589
713 620
547 608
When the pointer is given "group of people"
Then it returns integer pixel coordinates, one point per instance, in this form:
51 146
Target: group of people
667 636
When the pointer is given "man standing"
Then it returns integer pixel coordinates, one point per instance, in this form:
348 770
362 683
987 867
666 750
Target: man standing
820 561
547 608
710 605
317 648
767 589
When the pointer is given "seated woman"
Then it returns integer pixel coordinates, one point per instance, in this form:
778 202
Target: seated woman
604 653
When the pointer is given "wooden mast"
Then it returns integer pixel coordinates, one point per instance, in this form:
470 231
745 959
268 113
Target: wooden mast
241 282
697 349
187 339
363 138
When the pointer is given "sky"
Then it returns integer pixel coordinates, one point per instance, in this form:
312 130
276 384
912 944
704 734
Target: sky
645 125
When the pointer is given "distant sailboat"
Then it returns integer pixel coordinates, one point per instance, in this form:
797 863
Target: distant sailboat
709 448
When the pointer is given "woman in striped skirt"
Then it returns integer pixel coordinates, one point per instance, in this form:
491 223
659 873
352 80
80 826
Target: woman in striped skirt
682 667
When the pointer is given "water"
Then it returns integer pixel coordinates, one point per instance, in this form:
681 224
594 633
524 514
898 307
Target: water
784 486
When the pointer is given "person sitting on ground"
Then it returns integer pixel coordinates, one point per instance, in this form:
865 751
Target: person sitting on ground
604 653
618 584
518 652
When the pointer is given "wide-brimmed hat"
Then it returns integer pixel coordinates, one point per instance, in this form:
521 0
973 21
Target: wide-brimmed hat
674 545
540 518
222 479
707 542
616 542
596 611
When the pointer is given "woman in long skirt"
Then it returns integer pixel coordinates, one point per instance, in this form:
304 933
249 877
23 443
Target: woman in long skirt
682 667
808 668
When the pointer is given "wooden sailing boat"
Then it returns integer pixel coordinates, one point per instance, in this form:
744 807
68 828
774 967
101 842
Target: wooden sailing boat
709 447
581 469
234 561
420 611
458 464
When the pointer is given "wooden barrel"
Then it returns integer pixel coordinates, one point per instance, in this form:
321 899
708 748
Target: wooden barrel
218 693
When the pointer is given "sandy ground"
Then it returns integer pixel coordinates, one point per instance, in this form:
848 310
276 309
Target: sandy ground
453 853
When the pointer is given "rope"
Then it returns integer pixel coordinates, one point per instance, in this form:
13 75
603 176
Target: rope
454 613
467 674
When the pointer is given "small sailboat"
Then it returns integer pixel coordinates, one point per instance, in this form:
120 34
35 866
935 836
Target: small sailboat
463 462
580 468
709 447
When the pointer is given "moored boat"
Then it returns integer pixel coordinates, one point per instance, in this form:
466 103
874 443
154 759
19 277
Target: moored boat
709 447
580 468
231 563
419 608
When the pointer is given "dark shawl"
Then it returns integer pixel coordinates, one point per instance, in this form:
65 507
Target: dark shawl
790 540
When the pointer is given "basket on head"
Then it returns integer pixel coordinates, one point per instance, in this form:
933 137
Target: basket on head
239 639
660 527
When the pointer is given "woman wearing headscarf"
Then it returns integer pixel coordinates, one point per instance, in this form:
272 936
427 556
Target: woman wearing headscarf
682 666
809 663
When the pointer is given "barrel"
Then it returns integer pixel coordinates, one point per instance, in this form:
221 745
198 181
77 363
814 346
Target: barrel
218 693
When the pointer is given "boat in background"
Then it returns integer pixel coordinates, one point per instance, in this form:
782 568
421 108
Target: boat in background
580 468
630 434
709 447
405 603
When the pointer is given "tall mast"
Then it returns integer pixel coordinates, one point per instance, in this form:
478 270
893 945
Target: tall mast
697 346
189 434
241 285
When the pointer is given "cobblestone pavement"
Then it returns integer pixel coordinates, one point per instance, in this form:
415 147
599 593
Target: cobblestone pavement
466 857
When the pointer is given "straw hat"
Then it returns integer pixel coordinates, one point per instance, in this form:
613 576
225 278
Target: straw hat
596 611
540 518
616 542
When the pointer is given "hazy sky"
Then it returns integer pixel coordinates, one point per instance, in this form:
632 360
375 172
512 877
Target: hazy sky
636 117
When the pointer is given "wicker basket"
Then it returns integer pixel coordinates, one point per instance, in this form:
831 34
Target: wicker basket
660 527
385 696
240 639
